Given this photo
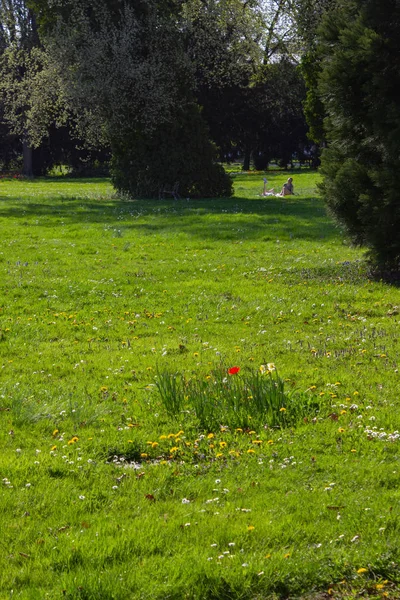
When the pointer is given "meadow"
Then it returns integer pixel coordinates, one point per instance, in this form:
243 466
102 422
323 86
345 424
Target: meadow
198 398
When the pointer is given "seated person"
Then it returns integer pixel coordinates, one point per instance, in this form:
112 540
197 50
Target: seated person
287 188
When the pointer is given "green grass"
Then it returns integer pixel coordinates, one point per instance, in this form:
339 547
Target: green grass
110 490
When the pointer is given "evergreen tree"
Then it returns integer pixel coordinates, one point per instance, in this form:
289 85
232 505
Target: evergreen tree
358 83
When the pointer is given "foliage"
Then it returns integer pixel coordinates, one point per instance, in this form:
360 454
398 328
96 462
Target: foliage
361 164
176 152
224 398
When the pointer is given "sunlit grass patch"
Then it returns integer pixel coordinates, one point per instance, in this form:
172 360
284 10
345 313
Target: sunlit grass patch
206 487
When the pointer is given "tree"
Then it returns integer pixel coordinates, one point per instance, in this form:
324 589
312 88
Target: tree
30 95
358 84
124 69
244 55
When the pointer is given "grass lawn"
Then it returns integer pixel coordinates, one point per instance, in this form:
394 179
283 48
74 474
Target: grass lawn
134 464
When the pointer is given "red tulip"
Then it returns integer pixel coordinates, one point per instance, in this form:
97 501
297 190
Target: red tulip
233 370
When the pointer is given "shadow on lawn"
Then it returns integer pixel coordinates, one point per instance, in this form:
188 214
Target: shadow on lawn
241 218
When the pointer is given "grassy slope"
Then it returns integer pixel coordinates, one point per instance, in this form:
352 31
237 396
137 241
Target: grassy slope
95 295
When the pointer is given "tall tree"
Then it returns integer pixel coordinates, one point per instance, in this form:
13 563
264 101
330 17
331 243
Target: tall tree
358 84
29 91
124 68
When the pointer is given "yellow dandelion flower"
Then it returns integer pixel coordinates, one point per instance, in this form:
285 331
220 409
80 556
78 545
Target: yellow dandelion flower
283 409
210 436
211 446
154 445
251 432
250 528
73 440
239 430
287 555
267 556
219 454
174 449
256 441
53 448
251 451
353 450
341 430
144 455
222 444
362 570
270 442
343 412
163 437
55 432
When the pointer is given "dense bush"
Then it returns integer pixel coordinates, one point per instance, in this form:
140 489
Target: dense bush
177 152
358 84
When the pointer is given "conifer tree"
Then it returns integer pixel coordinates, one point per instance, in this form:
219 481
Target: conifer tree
359 45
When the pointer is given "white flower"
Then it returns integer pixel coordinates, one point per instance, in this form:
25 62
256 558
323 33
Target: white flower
81 497
185 501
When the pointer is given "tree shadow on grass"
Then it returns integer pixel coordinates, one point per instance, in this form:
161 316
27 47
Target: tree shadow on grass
229 219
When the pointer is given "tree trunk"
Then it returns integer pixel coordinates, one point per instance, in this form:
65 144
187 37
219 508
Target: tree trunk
27 158
246 160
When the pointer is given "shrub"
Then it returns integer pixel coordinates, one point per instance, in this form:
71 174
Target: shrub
177 152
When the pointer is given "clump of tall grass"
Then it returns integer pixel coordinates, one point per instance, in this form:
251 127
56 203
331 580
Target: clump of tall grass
227 397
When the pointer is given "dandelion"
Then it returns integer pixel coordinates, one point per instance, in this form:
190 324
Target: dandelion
287 555
250 528
362 570
144 455
210 436
256 442
283 409
340 430
251 451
